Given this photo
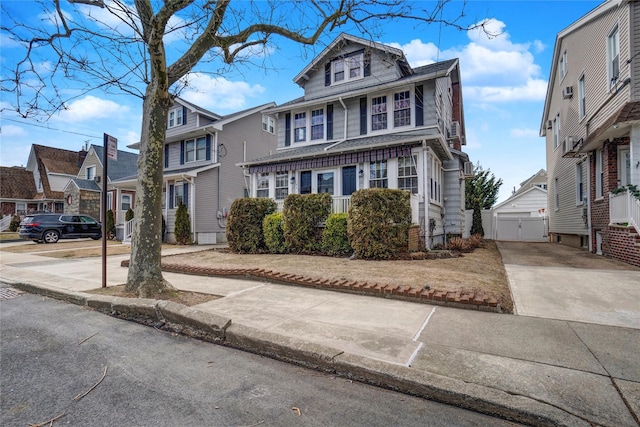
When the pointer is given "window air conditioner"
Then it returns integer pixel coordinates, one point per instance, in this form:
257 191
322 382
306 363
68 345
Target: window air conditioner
455 130
549 124
568 145
468 169
96 178
567 92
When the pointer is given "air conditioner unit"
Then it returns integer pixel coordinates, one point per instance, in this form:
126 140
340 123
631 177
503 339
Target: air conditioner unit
454 132
568 145
96 178
567 92
468 169
549 124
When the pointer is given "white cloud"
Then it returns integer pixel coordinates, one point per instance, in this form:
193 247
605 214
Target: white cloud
532 90
418 53
218 93
523 133
10 131
7 42
92 108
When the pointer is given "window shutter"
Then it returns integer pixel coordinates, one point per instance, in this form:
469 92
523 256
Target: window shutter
287 129
166 156
329 121
327 74
363 116
367 63
182 152
170 196
419 106
184 115
208 147
185 194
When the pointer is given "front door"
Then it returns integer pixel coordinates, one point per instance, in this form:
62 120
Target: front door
348 180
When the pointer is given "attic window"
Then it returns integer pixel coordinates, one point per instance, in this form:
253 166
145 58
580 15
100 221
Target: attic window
347 68
176 117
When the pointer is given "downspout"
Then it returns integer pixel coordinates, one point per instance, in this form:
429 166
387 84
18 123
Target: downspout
589 226
344 135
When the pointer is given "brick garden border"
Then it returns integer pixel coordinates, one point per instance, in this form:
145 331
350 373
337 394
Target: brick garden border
466 300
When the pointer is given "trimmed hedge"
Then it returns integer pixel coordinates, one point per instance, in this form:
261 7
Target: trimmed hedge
110 225
273 233
379 221
244 224
335 241
302 215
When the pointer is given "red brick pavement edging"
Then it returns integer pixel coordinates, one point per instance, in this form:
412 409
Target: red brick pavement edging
467 300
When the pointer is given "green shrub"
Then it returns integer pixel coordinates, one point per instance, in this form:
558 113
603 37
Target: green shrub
302 216
164 228
379 221
128 216
110 225
182 230
15 223
273 233
244 224
335 241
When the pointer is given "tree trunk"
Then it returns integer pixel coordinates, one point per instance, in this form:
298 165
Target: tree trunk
145 273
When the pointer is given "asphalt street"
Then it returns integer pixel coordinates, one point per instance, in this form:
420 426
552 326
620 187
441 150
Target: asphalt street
53 351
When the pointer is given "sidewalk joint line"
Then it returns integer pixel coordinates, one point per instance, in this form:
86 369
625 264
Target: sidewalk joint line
233 294
415 353
424 325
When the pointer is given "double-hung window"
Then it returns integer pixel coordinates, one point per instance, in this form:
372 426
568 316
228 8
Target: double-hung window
300 127
582 98
562 69
379 112
195 149
579 184
599 173
91 172
268 124
378 174
282 185
263 185
125 202
347 69
435 179
317 124
613 57
176 117
401 109
556 131
408 174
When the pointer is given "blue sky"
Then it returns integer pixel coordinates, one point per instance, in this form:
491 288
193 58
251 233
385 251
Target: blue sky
504 83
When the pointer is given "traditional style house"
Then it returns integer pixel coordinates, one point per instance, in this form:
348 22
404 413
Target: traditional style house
83 194
200 155
368 119
591 122
39 187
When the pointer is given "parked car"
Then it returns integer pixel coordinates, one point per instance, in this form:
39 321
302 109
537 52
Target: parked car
49 228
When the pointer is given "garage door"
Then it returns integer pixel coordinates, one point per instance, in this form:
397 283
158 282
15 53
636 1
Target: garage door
523 229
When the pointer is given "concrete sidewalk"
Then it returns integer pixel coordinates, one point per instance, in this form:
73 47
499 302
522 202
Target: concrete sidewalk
532 370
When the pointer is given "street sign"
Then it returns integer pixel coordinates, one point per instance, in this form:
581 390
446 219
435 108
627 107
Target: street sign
112 147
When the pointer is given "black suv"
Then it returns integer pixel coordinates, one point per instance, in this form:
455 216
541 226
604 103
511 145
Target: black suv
49 228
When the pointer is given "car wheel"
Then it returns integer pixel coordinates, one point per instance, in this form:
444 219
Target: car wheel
50 236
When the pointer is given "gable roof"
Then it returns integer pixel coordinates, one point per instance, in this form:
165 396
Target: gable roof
342 39
540 176
126 165
84 184
55 161
197 109
516 196
16 183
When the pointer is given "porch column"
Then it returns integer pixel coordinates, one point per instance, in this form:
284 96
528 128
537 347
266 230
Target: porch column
634 154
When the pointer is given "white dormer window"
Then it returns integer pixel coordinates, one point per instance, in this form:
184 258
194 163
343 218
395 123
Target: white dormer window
91 172
176 117
347 69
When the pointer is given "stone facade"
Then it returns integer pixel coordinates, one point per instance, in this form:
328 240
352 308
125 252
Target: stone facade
84 202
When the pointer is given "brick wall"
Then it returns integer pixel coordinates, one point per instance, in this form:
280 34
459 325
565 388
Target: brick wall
7 208
623 244
90 203
600 207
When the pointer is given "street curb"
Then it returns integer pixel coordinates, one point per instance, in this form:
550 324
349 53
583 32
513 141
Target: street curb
168 315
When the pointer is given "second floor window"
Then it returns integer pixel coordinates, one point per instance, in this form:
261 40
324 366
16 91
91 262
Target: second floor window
582 98
176 117
379 113
317 124
562 69
91 172
401 109
268 124
555 127
195 149
300 127
613 57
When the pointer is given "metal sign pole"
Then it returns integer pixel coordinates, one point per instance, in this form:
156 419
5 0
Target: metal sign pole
104 211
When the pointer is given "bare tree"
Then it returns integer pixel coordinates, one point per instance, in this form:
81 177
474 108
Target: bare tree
148 48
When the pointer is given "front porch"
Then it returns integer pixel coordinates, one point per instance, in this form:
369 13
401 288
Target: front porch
624 208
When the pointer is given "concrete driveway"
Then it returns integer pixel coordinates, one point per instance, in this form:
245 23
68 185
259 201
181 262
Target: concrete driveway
554 281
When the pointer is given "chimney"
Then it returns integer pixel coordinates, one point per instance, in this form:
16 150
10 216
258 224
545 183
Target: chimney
82 154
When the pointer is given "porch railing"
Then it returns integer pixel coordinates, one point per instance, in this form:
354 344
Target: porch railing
128 230
4 222
624 208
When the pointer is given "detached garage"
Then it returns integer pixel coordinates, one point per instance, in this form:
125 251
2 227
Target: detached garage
522 217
